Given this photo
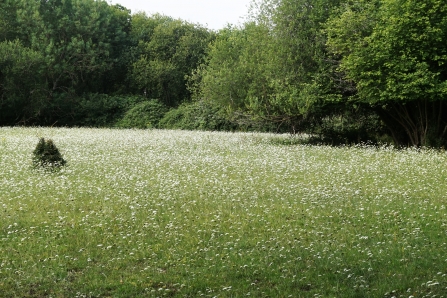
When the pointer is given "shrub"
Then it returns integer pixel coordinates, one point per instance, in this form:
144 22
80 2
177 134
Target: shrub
47 155
102 110
198 115
349 127
146 114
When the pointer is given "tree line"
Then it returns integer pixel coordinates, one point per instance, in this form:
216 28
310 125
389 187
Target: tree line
342 70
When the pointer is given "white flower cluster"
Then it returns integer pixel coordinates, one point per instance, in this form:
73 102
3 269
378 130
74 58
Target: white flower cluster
222 214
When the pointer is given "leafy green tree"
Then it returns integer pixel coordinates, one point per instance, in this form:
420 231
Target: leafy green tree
115 78
221 79
397 61
21 90
303 86
168 50
8 20
274 68
79 42
237 68
74 38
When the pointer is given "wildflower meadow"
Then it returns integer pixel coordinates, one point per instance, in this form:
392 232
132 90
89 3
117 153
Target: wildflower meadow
159 213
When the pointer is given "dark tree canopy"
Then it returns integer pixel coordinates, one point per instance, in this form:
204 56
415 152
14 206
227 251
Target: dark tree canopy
168 50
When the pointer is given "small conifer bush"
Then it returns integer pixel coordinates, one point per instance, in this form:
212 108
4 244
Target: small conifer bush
47 155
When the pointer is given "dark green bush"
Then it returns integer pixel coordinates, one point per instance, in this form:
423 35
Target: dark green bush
102 110
47 155
146 114
247 122
198 115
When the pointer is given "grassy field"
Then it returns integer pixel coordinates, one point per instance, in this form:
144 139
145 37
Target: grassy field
150 213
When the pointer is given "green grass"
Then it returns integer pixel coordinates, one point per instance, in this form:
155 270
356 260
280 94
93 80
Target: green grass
151 213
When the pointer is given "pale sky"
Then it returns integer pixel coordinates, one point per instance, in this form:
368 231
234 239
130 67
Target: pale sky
213 14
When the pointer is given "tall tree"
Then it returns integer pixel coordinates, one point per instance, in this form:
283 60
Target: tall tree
398 63
79 42
236 73
120 55
21 90
8 20
169 50
279 63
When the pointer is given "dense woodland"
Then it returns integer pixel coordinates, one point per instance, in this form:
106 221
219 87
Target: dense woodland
344 71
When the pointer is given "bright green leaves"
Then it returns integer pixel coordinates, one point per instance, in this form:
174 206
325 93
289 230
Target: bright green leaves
229 73
237 68
395 53
274 68
408 43
350 24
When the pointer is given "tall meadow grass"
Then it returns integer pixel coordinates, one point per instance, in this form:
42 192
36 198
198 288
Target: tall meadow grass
156 213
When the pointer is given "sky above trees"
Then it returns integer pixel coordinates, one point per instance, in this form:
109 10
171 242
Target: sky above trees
212 14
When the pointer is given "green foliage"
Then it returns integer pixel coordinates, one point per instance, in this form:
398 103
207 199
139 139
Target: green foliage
78 43
238 75
296 66
75 62
115 79
234 70
397 61
146 114
349 25
168 51
354 126
21 90
8 23
405 57
47 155
75 36
198 115
301 82
274 68
102 110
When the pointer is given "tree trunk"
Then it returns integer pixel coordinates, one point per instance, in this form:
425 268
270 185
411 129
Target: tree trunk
419 123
